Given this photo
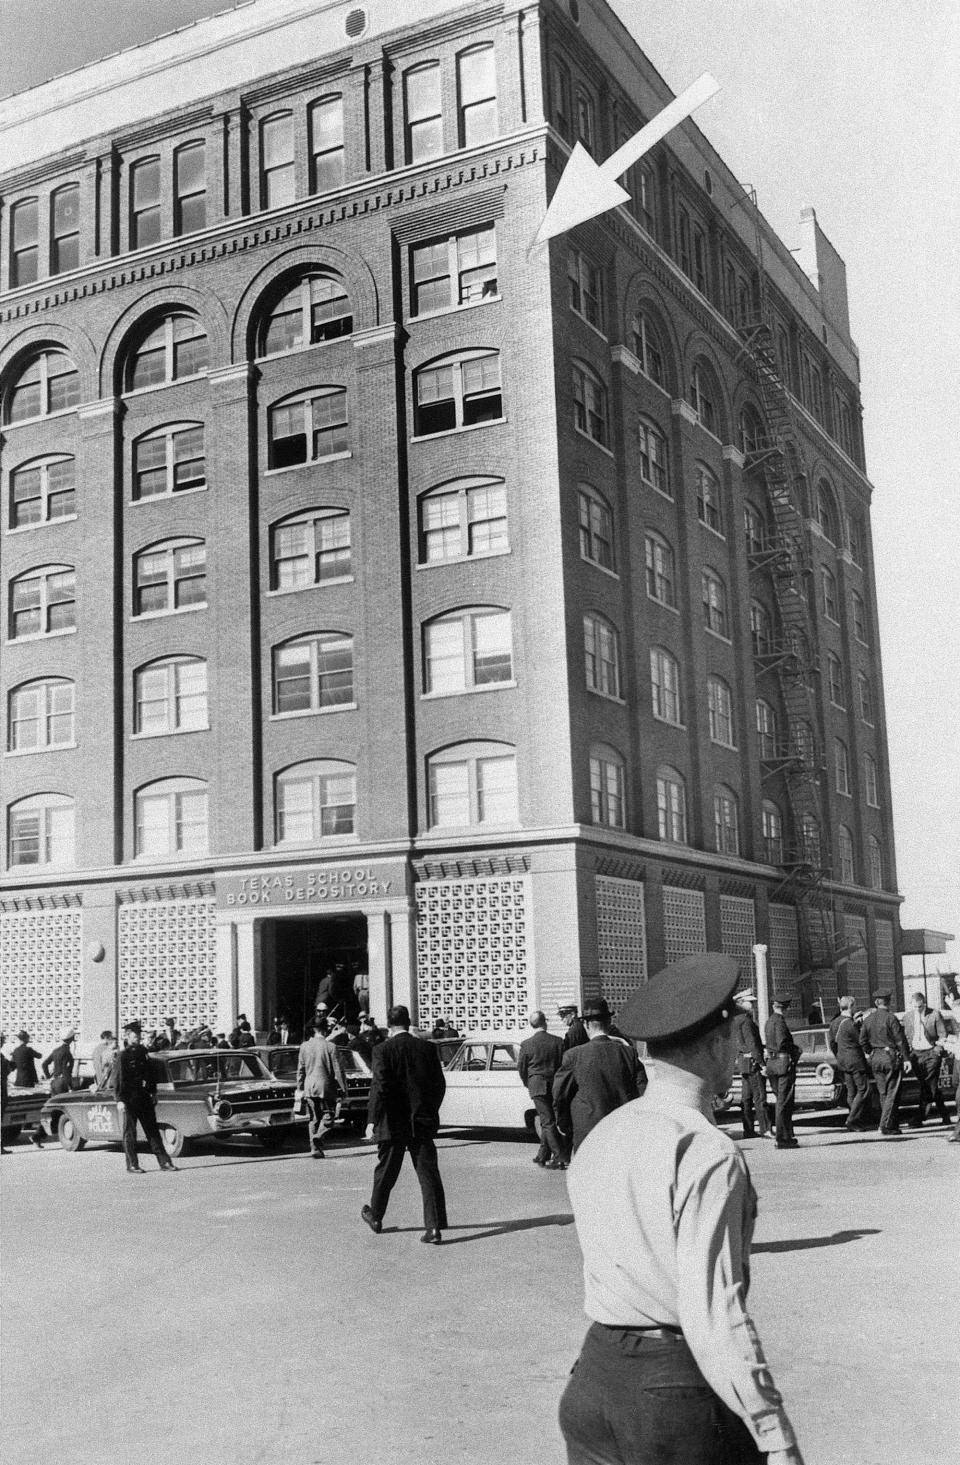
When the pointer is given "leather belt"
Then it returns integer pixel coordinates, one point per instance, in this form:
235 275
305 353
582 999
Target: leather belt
652 1332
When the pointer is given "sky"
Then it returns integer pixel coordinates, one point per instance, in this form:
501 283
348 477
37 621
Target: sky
855 109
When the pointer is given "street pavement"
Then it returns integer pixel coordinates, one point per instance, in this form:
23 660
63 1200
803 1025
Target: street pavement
240 1313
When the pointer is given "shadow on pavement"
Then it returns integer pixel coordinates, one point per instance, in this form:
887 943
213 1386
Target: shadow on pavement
484 1230
805 1243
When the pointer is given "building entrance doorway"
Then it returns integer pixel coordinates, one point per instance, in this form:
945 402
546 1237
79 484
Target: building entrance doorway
316 958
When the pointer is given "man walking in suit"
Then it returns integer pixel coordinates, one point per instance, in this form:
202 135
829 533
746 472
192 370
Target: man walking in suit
753 1088
882 1037
538 1061
403 1115
845 1045
925 1030
596 1077
782 1055
320 1079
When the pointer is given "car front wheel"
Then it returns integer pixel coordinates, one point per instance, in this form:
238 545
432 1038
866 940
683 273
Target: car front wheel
68 1134
173 1140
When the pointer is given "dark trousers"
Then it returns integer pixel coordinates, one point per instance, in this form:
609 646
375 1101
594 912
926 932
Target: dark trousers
141 1108
956 1095
784 1091
633 1400
857 1085
753 1103
321 1120
926 1065
423 1153
549 1138
888 1075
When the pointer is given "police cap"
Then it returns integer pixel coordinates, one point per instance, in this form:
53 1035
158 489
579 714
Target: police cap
566 1007
747 997
881 996
133 1027
783 996
688 997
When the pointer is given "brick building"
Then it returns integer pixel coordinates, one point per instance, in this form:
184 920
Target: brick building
379 591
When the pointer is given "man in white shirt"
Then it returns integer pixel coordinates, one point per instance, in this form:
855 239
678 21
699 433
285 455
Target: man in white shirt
925 1031
671 1367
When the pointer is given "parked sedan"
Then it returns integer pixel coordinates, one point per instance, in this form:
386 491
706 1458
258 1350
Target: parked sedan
484 1088
352 1108
201 1094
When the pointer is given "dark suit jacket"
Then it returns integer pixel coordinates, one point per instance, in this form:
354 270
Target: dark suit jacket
407 1089
133 1075
778 1037
538 1061
748 1039
844 1040
575 1035
594 1079
881 1032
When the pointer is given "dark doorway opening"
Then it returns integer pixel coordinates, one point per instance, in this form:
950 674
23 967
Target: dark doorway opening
316 958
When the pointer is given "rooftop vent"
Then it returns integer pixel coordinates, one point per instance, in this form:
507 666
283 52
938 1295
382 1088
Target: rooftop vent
355 23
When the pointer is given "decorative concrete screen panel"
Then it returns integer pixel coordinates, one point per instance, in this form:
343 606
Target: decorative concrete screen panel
855 976
738 931
886 968
621 938
472 953
41 973
684 923
783 954
167 962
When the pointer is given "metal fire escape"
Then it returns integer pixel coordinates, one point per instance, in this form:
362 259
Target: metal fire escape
775 460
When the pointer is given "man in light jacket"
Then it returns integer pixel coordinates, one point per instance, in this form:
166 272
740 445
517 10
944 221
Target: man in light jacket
320 1079
925 1030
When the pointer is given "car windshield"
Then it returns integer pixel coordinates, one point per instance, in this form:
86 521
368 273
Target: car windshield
209 1067
283 1062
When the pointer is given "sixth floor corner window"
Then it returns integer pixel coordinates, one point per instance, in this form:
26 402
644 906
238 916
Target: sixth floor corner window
457 270
169 577
472 784
477 96
875 856
423 116
42 491
461 391
465 519
601 651
309 428
313 673
596 528
585 286
41 715
467 649
43 602
310 549
315 801
169 460
171 819
590 411
40 831
170 696
606 787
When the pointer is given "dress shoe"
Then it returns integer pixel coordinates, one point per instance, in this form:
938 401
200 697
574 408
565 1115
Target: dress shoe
167 1168
367 1215
537 1160
134 1170
788 1144
555 1164
318 1154
431 1237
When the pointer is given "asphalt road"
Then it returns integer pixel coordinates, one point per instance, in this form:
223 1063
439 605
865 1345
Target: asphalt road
240 1312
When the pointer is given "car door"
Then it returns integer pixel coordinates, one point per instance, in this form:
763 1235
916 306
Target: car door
461 1102
503 1098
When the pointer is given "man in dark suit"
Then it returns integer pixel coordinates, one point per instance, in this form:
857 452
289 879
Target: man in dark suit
596 1077
845 1045
537 1063
403 1114
134 1085
753 1088
576 1032
782 1055
884 1040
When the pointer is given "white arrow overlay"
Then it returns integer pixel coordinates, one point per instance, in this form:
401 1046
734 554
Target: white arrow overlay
587 188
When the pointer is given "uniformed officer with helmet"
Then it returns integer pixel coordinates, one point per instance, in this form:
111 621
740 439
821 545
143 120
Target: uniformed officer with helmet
671 1367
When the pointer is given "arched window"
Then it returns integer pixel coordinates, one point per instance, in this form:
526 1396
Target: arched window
726 820
315 308
709 510
838 695
720 712
190 188
169 460
828 592
48 383
24 243
865 690
313 673
171 819
277 168
65 229
761 629
309 427
841 766
315 801
714 597
170 696
860 627
41 715
596 528
703 397
311 548
771 826
591 413
606 787
463 519
750 431
653 457
875 857
665 693
645 343
660 570
40 831
472 784
601 652
467 649
871 781
144 202
671 805
423 112
810 839
827 512
42 491
767 731
477 94
458 391
170 576
43 602
848 873
171 350
326 144
754 528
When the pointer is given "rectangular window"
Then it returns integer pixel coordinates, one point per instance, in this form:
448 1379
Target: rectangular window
145 203
424 118
496 790
449 794
647 198
65 230
585 287
835 675
700 260
586 120
277 171
562 111
190 173
293 679
477 82
295 814
454 271
326 145
606 792
665 687
25 260
590 405
671 810
841 767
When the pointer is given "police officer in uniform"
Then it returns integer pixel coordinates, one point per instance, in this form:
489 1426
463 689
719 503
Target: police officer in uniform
134 1087
671 1367
753 1088
886 1043
847 1047
782 1055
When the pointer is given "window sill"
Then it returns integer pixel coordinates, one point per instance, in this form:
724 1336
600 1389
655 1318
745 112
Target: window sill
843 793
432 437
36 636
607 696
172 732
158 615
313 712
314 585
45 748
590 325
325 842
43 524
663 492
309 345
181 856
168 495
40 869
668 721
718 636
457 309
177 381
311 463
592 440
730 747
597 566
673 609
31 421
718 533
462 559
441 830
625 357
468 691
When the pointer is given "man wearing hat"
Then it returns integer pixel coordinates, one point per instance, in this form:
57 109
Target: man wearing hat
58 1064
671 1367
595 1077
576 1032
847 1047
753 1088
134 1085
24 1060
782 1055
885 1041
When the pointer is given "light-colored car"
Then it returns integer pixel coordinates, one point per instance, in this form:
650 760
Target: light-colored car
484 1089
